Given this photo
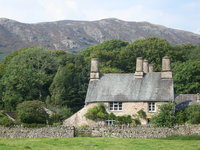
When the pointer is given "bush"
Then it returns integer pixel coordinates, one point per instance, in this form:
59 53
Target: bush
60 115
165 116
193 114
111 116
136 122
142 114
180 117
5 121
31 112
123 120
97 113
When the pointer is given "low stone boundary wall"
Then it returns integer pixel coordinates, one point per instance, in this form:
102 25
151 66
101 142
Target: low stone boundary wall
50 132
99 131
144 131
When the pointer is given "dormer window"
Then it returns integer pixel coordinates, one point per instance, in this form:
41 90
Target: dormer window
115 106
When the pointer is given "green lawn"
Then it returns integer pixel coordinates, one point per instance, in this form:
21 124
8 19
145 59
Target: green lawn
94 143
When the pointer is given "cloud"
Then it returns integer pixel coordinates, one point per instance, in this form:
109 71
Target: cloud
58 9
71 4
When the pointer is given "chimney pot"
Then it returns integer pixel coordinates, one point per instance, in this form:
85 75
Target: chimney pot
145 66
151 68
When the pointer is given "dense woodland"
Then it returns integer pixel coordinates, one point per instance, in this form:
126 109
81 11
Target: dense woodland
60 79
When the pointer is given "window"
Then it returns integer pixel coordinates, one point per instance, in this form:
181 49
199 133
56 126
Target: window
110 122
115 106
152 107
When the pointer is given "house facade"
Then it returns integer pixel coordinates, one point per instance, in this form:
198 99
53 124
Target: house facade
127 93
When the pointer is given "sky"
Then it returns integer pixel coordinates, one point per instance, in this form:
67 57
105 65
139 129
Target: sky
178 14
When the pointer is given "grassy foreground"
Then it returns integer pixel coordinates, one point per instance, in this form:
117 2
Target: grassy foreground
91 143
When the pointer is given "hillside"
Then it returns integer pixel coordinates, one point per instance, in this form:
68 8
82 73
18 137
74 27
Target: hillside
72 36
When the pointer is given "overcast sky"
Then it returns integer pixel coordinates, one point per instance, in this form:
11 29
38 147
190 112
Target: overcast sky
179 14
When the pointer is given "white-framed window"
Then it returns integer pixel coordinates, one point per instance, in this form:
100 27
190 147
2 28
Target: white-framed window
152 107
115 106
110 122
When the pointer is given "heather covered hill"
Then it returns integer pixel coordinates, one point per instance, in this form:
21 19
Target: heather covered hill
73 36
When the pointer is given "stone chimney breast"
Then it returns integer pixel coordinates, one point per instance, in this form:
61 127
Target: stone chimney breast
94 70
139 68
166 68
166 64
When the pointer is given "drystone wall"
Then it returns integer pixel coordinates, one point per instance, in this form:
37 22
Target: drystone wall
100 131
139 131
50 132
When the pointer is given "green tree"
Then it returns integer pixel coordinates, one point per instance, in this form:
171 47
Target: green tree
194 53
165 116
70 84
186 77
32 112
151 48
108 53
28 76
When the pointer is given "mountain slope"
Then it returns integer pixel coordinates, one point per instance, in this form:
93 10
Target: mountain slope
74 35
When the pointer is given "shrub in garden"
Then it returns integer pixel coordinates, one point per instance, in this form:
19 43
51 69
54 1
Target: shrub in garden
97 113
193 114
165 116
181 117
31 112
59 115
142 114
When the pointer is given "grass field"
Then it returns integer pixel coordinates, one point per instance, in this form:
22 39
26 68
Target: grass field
94 143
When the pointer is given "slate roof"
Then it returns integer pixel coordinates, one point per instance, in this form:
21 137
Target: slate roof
183 100
127 88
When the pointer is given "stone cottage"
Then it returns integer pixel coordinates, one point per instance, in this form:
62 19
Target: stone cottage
127 93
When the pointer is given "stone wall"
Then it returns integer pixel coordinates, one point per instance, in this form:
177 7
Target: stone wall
100 131
144 131
50 132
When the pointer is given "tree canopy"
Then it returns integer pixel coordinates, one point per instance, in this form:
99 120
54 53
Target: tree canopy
61 79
